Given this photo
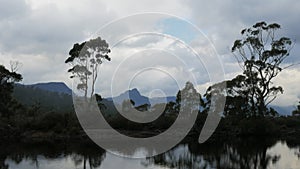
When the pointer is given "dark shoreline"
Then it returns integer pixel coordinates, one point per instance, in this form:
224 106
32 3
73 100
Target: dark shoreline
51 137
281 128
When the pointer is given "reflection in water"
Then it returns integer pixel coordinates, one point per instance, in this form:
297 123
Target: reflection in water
50 156
250 153
238 154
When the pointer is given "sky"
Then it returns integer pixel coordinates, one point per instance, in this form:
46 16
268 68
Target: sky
40 33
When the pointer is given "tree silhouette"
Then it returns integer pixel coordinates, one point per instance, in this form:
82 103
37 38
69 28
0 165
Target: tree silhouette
7 79
85 59
188 99
297 111
236 98
262 54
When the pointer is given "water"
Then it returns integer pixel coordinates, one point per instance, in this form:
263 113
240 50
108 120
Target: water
250 153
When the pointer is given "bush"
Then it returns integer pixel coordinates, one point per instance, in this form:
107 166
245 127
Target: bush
50 121
258 127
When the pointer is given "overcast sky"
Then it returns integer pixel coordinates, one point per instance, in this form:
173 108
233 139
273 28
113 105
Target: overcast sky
40 33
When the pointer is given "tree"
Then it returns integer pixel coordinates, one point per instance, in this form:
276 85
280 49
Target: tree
170 108
297 111
262 54
15 65
7 79
188 99
236 98
85 59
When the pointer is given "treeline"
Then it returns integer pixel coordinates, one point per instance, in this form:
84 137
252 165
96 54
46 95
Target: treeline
245 113
42 115
231 125
34 122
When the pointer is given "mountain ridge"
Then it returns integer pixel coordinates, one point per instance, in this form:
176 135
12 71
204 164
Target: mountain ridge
133 94
59 87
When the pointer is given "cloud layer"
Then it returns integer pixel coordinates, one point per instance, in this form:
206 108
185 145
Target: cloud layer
40 34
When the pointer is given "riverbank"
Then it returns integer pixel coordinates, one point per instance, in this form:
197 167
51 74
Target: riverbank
285 128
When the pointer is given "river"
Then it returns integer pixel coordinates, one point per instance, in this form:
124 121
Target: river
243 153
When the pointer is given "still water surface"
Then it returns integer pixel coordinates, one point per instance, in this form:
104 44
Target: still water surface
238 154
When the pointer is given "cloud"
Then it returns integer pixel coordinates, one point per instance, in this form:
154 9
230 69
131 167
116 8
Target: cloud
289 79
50 27
160 63
12 9
223 20
40 34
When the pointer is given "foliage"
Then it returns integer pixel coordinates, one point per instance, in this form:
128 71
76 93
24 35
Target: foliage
297 111
85 59
262 54
188 99
258 127
7 79
236 100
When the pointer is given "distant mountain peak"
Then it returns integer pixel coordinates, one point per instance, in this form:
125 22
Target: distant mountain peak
134 90
132 94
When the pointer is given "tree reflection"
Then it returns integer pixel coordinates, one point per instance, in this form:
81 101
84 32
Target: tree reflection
91 156
239 153
86 155
246 153
294 144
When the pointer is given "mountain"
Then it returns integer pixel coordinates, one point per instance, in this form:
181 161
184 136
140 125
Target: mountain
132 94
57 96
139 99
58 87
45 95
